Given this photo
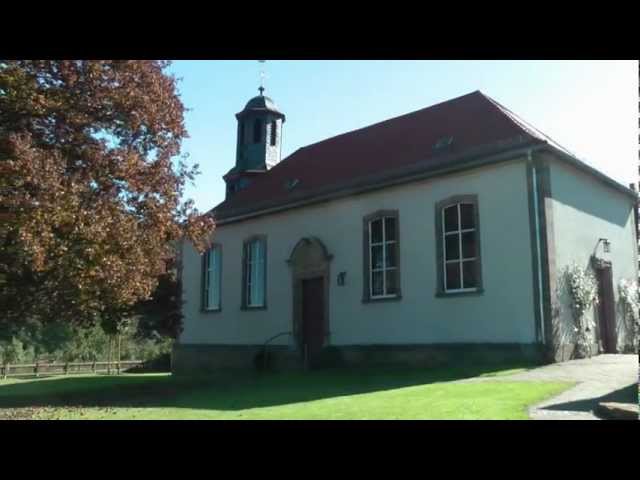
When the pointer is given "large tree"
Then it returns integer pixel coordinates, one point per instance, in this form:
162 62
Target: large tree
91 187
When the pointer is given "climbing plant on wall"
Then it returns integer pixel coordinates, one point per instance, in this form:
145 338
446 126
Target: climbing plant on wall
583 292
629 298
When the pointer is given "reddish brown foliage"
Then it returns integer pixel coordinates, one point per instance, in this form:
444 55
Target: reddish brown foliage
90 189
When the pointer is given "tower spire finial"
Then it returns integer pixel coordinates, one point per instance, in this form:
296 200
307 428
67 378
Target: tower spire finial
262 77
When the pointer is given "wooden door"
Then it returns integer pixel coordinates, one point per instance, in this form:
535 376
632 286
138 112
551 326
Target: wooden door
606 309
312 317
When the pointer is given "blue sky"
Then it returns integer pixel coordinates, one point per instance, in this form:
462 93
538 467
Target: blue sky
589 107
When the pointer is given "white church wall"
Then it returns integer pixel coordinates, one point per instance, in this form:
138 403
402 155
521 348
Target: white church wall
503 313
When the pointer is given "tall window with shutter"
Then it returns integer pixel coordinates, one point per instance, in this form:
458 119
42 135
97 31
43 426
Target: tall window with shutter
254 273
211 278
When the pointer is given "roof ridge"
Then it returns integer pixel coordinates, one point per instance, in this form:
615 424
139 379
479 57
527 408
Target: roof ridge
475 92
529 128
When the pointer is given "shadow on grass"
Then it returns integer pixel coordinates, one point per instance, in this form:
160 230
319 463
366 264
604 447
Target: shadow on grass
628 394
231 390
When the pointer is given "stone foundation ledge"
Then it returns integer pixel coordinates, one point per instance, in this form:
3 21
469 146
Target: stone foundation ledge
192 358
202 358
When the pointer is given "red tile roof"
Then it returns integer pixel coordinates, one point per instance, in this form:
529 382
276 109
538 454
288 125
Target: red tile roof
473 121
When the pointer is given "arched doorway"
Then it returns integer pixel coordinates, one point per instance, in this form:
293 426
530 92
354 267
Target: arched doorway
309 263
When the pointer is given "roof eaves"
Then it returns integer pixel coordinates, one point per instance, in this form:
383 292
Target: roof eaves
277 113
449 163
581 165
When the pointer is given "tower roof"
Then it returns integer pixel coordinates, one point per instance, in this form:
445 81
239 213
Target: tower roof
260 103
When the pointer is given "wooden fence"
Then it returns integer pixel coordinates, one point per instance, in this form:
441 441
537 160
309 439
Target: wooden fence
40 369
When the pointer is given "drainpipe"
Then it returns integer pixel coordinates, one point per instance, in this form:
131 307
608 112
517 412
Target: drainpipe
534 177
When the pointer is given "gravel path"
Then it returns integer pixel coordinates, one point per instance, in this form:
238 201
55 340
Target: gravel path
603 378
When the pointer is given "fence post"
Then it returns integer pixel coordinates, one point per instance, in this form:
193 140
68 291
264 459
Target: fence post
110 356
5 371
35 369
66 368
93 367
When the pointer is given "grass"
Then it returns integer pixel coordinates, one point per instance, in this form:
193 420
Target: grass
380 393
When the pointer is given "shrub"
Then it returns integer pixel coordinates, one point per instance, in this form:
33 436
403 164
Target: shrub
12 351
58 342
629 298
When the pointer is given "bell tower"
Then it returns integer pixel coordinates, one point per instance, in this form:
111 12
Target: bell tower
259 141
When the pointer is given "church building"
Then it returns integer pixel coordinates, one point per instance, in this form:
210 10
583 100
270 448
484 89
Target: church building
439 234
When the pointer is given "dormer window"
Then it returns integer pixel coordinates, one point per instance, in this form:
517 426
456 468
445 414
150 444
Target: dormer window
291 184
443 143
257 130
242 184
274 126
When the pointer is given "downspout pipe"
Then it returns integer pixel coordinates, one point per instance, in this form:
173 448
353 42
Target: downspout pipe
536 226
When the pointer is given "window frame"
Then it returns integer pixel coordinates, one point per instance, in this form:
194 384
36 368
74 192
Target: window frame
368 270
244 304
205 282
441 264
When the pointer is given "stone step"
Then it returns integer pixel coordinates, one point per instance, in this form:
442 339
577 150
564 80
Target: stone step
617 411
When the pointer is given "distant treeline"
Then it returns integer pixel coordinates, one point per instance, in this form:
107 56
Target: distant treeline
64 342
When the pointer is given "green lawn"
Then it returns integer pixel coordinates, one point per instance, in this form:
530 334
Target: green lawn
381 393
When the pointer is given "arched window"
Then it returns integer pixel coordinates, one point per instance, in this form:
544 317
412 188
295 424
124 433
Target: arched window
257 130
274 127
459 266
